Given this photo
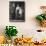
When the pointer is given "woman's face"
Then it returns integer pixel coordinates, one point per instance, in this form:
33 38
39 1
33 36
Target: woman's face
44 10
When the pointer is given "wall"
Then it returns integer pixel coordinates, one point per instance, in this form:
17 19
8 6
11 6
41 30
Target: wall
32 8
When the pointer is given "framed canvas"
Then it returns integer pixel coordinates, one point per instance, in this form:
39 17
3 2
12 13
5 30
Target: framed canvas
17 11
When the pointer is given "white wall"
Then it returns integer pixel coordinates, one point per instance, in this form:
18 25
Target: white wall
32 8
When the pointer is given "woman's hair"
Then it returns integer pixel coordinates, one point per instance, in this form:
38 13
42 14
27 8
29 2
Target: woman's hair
42 7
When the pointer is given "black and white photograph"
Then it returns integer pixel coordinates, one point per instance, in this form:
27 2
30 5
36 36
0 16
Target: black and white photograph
17 11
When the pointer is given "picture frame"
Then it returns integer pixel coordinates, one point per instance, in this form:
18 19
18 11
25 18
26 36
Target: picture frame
16 11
